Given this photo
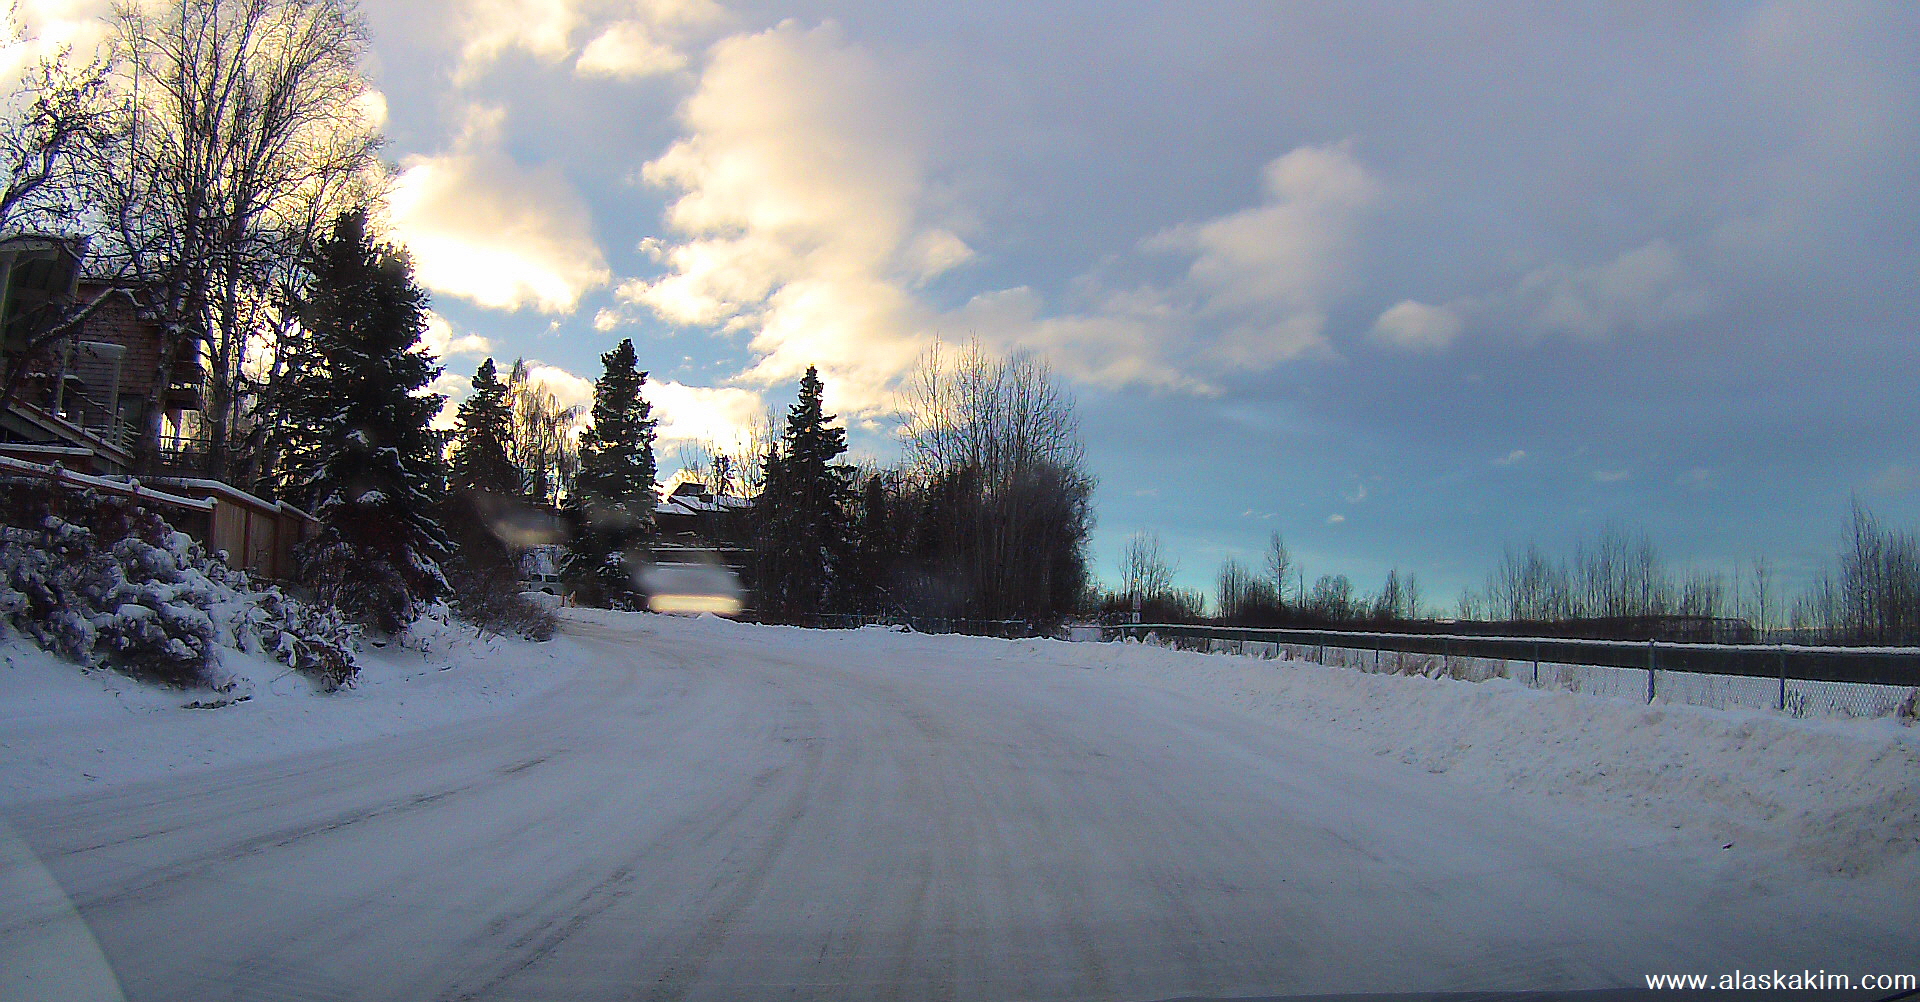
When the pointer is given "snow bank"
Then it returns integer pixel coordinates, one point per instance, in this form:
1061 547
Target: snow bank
1841 796
64 728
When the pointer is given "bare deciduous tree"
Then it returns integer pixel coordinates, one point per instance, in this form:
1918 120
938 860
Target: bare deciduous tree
1144 572
997 441
248 132
545 442
57 124
1874 595
1279 566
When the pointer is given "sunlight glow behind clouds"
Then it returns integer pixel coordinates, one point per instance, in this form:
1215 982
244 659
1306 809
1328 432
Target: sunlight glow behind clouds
806 216
802 210
485 229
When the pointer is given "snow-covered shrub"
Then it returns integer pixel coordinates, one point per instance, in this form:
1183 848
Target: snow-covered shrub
154 617
107 580
43 569
312 639
112 582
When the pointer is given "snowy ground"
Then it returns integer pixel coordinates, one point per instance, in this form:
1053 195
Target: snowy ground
64 730
664 808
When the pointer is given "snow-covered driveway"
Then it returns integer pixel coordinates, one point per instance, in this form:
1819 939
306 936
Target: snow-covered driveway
716 812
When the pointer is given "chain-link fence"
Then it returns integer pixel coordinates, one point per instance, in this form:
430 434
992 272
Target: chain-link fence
1801 681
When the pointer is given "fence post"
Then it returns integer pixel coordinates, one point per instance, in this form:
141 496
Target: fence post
1536 664
1783 680
1650 670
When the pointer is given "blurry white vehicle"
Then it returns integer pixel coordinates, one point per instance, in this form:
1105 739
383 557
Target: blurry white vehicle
692 587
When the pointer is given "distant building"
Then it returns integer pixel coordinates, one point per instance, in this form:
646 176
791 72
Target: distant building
693 519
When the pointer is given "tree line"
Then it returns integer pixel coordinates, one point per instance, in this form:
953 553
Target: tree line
1615 586
984 518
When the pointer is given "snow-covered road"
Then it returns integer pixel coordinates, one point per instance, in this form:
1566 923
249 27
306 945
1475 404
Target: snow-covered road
716 812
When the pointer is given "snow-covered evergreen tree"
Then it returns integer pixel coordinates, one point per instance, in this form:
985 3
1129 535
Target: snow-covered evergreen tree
374 467
611 510
483 433
483 483
805 512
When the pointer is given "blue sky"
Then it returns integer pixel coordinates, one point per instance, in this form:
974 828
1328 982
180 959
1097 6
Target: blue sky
1407 283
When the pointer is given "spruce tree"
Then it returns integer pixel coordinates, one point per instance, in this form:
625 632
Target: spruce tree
611 511
373 463
483 431
482 484
805 512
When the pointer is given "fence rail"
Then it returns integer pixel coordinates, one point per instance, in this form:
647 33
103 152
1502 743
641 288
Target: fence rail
1885 666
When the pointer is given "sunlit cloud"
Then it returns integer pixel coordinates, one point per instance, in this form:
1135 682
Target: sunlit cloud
723 416
455 387
614 38
801 215
719 415
807 217
568 388
627 50
488 29
441 341
486 229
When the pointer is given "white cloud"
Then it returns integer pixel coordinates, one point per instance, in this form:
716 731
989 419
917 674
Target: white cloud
809 213
1289 251
570 389
721 415
1643 289
804 215
1611 476
1269 273
1511 458
441 341
372 106
489 29
628 50
1336 518
455 387
624 38
1417 326
486 229
50 26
